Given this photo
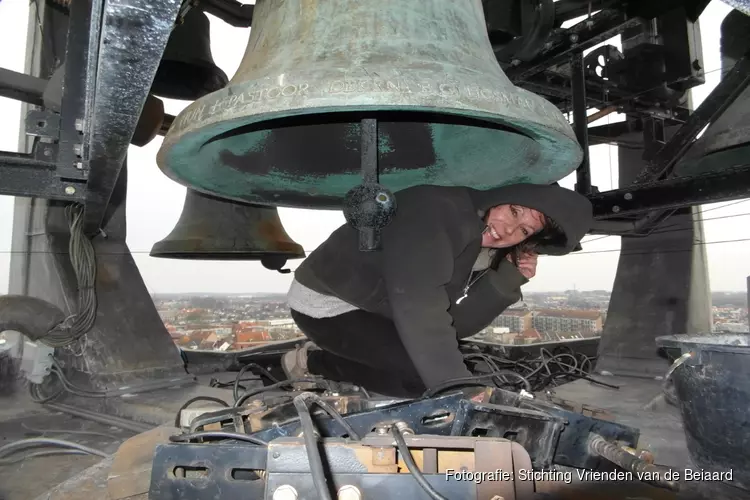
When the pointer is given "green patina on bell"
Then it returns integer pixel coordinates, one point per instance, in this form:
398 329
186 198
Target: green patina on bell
285 131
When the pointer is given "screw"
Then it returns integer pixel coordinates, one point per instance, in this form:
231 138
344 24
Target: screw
47 152
349 492
79 125
382 430
79 165
77 149
285 492
515 62
628 196
70 190
616 209
574 38
276 454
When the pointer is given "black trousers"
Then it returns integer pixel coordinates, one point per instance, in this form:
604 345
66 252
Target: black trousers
362 348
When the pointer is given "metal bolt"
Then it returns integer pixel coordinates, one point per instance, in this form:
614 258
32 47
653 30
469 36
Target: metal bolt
79 125
616 209
548 45
47 152
77 149
70 190
515 62
589 23
382 430
276 454
285 492
574 38
628 196
349 492
79 165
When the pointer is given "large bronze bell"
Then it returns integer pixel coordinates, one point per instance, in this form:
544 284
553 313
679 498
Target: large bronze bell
726 142
211 228
286 129
187 70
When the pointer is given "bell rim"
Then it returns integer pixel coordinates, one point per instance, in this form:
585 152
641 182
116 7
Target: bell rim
226 110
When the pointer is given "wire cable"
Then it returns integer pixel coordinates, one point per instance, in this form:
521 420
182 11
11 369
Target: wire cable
83 260
330 410
412 465
263 371
278 385
15 460
186 438
195 400
311 445
30 442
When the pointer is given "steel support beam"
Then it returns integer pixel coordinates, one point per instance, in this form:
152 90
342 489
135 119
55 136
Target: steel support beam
580 121
134 34
677 192
730 87
584 35
22 87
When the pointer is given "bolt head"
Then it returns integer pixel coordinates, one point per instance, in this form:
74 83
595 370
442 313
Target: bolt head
616 209
628 196
349 492
285 492
574 38
79 125
70 190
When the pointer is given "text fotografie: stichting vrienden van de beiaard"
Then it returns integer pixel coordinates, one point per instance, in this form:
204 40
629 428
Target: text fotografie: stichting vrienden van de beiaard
568 476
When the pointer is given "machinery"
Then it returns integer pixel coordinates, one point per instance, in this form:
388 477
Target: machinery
340 104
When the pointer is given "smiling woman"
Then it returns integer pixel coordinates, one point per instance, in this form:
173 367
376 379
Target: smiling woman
389 321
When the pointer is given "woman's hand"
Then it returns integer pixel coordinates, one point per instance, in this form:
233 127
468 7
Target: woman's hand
527 264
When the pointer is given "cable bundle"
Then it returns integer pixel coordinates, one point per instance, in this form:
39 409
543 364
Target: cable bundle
83 260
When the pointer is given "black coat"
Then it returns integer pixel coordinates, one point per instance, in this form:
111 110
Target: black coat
428 251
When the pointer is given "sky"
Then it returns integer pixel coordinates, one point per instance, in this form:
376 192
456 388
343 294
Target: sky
155 202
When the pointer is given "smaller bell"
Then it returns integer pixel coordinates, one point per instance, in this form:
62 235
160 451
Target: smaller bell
187 70
213 228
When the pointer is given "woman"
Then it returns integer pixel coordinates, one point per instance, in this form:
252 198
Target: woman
452 260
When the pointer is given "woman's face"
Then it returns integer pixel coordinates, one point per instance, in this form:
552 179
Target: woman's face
509 225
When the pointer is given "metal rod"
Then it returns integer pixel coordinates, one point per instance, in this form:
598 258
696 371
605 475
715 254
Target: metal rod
369 150
369 237
725 93
580 121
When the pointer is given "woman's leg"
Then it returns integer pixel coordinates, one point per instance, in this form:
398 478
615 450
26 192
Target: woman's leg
362 348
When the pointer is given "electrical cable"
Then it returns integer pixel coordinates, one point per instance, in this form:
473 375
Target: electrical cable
330 410
186 438
15 460
263 371
311 445
195 400
30 442
83 261
408 459
66 431
278 385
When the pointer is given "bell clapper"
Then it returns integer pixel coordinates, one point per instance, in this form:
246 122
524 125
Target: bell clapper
369 207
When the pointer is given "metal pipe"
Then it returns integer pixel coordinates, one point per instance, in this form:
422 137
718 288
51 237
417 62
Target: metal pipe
580 121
